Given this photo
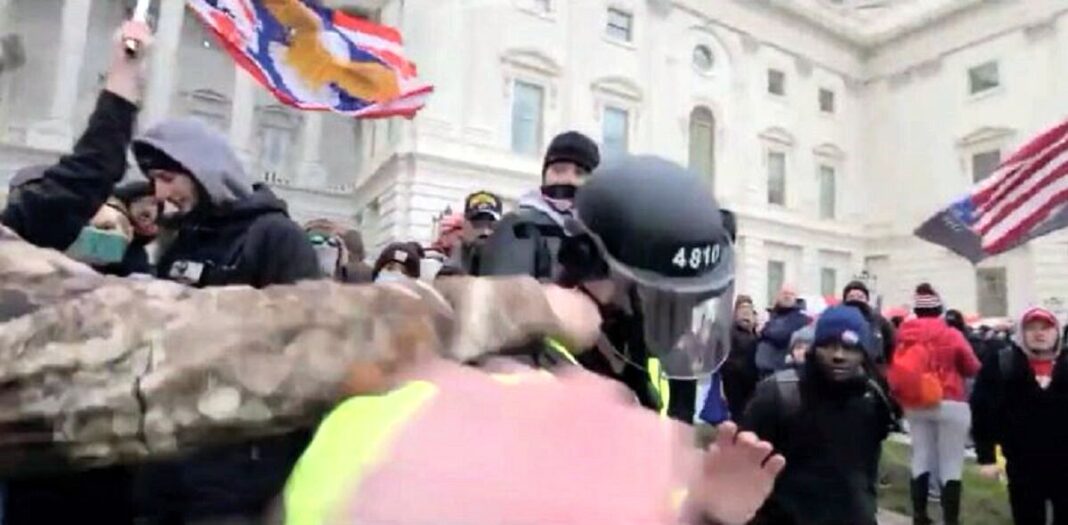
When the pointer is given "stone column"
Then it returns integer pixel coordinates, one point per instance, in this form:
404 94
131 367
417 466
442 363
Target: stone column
160 85
5 16
55 131
6 25
243 116
310 170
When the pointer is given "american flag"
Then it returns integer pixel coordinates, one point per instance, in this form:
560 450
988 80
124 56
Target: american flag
1026 197
315 58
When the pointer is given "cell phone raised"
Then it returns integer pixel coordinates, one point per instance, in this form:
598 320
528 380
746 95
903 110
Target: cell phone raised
98 247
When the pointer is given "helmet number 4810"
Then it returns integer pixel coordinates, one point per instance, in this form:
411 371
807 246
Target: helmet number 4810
697 258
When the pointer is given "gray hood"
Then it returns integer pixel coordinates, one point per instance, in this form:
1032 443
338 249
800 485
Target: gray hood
1018 324
536 201
203 151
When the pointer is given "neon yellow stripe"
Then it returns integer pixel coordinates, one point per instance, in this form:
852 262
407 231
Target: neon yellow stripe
347 445
561 349
660 383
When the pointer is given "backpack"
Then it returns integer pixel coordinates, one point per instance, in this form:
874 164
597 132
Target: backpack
913 380
788 389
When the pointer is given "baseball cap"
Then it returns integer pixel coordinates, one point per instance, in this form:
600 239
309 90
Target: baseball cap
483 203
1040 314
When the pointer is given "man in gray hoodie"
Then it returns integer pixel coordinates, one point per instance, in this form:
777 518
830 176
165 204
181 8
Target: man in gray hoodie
527 241
224 231
227 230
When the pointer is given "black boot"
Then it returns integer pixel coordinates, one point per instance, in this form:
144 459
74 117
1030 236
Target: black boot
920 486
951 503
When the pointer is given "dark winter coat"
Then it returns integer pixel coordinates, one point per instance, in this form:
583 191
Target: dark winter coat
240 234
525 242
253 243
830 434
48 207
882 332
740 372
774 342
1010 409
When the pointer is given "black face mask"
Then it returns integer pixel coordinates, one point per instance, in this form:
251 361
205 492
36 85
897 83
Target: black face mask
865 308
562 192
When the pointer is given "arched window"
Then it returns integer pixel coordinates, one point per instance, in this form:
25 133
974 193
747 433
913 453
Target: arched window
703 143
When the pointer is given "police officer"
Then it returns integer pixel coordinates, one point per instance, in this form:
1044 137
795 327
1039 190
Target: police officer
658 261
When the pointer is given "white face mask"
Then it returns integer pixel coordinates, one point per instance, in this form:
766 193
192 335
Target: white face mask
390 276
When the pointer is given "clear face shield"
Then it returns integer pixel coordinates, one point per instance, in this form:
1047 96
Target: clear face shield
688 333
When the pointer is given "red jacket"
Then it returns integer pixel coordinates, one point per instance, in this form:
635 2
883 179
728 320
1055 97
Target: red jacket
951 356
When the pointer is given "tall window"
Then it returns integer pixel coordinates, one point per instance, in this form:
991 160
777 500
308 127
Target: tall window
984 164
528 101
826 100
983 77
703 143
615 124
620 25
776 82
828 193
992 285
828 282
275 147
776 278
777 178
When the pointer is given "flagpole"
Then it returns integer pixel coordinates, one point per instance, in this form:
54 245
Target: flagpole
140 14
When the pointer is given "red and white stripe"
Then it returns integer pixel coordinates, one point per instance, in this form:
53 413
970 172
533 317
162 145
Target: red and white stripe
1024 190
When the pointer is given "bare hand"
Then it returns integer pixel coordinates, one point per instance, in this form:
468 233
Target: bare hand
110 218
992 471
124 75
737 475
579 317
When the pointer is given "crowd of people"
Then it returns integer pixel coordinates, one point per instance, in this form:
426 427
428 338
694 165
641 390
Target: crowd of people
654 261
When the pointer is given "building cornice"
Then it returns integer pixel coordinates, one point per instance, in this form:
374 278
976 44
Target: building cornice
867 33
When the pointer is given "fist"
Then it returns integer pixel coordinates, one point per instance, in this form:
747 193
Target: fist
134 31
112 217
578 316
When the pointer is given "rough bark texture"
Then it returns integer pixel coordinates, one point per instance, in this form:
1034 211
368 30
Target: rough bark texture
97 370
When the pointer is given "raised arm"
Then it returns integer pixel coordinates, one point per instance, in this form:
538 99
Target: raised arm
51 208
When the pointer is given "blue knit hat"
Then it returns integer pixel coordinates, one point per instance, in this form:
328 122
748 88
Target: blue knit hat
845 325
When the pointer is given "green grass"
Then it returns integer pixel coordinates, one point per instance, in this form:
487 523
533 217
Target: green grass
985 502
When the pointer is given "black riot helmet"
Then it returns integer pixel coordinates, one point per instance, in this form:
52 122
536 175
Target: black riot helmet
654 229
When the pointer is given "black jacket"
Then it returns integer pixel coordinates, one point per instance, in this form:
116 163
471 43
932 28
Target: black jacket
51 207
882 332
253 242
740 372
624 333
525 242
830 435
1011 410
